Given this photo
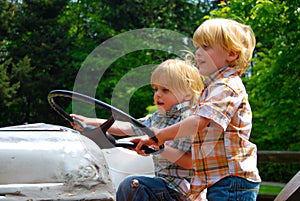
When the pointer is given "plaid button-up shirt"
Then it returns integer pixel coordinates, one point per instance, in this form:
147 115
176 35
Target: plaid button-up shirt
178 178
223 147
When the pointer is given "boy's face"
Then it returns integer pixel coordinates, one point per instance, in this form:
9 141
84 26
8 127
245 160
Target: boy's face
211 59
165 99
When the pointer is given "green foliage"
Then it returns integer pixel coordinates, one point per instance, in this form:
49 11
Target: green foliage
151 109
268 189
14 79
275 83
8 90
277 172
33 34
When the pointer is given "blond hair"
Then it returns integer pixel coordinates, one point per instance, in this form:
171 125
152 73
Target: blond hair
231 36
178 76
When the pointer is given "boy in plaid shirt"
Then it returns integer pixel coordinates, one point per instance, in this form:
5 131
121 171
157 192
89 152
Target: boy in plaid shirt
224 160
176 88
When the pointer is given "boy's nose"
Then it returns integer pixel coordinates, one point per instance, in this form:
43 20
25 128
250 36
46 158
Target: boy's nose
158 93
199 51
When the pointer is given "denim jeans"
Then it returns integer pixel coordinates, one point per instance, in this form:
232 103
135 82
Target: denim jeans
233 189
149 189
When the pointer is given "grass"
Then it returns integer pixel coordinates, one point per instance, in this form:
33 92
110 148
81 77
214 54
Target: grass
268 189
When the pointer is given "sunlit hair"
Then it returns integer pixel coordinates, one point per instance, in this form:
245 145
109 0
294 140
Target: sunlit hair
180 77
231 36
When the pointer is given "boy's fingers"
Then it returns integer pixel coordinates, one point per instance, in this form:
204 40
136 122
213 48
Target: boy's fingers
142 141
137 141
79 117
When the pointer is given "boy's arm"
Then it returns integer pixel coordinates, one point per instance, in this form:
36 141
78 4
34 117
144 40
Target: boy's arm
178 157
119 128
186 127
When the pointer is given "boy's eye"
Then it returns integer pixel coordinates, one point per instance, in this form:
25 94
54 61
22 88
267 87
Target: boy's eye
161 89
204 46
165 90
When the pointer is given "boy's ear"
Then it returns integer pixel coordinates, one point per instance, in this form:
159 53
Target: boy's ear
232 55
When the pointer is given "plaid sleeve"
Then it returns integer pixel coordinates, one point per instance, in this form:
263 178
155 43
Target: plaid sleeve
219 103
145 121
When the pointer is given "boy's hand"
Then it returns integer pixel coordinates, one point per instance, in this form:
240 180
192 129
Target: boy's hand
85 121
80 118
145 140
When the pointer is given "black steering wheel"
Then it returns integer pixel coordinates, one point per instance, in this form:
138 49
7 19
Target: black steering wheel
99 134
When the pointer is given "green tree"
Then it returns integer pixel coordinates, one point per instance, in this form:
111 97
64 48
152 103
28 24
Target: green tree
33 32
8 89
14 79
275 82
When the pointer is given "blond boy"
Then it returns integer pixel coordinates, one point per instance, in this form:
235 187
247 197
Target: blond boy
176 84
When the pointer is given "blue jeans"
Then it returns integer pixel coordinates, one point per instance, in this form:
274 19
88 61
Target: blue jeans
149 189
233 189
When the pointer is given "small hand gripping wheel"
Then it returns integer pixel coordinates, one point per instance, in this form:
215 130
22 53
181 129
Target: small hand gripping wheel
99 134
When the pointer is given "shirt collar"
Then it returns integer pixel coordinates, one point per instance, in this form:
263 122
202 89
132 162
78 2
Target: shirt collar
221 73
178 109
